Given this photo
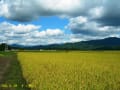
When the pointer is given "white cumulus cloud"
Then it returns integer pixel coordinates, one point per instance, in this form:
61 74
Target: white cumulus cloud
29 34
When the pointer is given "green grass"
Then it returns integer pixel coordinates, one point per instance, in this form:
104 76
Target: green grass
85 70
9 54
13 78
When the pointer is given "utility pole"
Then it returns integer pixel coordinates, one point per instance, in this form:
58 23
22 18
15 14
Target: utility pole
6 47
21 3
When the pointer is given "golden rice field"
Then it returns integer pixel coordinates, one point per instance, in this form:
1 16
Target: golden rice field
84 70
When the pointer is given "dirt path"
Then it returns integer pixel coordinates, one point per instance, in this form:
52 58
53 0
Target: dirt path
11 73
4 65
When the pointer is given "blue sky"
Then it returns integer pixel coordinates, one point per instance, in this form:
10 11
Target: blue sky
41 22
52 22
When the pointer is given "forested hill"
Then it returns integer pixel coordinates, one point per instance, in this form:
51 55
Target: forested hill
111 43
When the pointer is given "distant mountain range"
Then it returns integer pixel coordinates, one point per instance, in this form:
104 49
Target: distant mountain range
111 43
